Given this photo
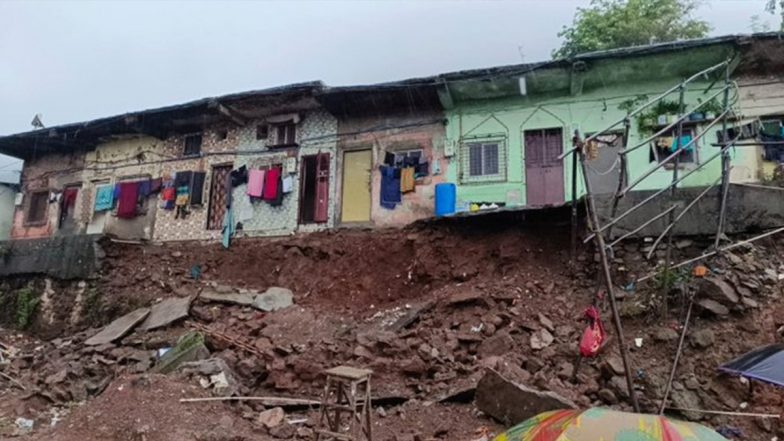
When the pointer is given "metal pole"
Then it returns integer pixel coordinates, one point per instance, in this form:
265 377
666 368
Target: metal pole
623 175
677 358
574 206
609 284
668 253
725 161
661 164
648 104
645 224
614 221
679 216
727 248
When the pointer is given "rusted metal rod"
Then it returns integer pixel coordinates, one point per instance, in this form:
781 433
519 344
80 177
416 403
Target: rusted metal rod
651 197
678 121
725 170
609 283
671 157
677 358
727 248
645 224
679 216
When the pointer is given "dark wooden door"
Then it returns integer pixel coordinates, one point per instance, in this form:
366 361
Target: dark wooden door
544 176
321 213
218 196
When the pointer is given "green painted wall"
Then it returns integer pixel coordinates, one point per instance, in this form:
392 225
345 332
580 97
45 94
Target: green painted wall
590 111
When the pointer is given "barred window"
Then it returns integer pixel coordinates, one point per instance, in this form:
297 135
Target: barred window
484 161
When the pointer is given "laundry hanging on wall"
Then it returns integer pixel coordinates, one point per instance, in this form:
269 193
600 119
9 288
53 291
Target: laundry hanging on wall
129 193
390 187
104 198
256 179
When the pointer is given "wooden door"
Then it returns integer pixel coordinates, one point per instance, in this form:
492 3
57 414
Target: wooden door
321 213
544 177
355 199
218 196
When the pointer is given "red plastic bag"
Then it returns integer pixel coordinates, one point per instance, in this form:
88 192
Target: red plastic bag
594 335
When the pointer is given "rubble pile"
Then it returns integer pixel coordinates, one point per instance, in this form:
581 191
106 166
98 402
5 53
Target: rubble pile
449 359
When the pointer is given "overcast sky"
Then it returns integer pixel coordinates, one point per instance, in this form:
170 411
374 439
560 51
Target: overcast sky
74 61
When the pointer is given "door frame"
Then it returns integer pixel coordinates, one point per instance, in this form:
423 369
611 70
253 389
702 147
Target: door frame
525 163
229 165
341 165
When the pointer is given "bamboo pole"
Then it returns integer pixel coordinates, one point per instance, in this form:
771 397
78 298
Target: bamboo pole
677 358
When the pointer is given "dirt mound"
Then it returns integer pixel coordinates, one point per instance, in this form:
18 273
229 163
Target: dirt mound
147 408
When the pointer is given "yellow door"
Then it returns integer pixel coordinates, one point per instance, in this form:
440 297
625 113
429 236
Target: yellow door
356 186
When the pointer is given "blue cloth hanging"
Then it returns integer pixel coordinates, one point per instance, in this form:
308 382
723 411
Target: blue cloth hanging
228 228
685 139
390 187
104 197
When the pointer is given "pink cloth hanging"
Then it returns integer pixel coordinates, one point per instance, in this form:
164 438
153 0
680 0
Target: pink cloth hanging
255 183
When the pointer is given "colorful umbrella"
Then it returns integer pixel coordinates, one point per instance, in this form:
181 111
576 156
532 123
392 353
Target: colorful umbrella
598 424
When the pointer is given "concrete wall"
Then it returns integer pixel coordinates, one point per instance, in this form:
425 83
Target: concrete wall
390 133
759 96
749 207
508 118
49 173
63 257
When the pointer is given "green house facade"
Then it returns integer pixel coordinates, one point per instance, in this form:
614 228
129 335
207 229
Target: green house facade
507 126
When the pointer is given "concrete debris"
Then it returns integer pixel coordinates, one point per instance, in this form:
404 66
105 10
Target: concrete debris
190 347
541 339
512 403
273 299
498 344
718 290
702 339
118 328
665 335
464 296
712 307
166 312
271 417
231 298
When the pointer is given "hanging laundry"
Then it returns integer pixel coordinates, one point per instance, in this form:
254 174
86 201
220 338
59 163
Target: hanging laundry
144 190
239 176
228 228
685 139
278 201
67 202
181 203
129 192
228 189
272 184
256 179
156 185
389 159
288 184
407 180
104 197
197 188
390 187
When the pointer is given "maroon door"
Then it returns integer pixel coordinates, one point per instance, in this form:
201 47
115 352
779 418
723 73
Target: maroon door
321 213
544 178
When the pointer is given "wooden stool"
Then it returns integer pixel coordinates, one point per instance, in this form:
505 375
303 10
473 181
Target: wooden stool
351 387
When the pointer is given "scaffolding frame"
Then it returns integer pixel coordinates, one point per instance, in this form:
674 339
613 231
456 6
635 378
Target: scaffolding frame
602 232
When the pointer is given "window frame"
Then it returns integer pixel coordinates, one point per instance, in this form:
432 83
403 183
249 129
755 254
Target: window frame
501 159
29 205
289 130
400 155
653 151
185 145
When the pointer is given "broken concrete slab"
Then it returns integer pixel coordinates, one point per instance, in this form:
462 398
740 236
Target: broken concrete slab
511 403
242 299
273 299
410 317
118 328
713 307
166 312
190 347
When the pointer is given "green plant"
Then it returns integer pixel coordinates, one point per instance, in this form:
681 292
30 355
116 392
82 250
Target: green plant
713 106
667 279
633 103
648 119
26 304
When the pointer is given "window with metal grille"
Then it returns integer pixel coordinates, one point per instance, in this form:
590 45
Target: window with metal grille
401 155
665 145
286 134
483 161
36 209
192 145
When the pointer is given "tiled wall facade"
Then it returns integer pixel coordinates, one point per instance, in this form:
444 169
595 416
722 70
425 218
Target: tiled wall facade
316 132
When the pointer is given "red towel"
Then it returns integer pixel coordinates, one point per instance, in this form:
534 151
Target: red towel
271 187
129 192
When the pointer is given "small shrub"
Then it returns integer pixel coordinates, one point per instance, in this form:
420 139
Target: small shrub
26 304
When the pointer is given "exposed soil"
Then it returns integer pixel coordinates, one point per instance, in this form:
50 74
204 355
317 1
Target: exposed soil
477 292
